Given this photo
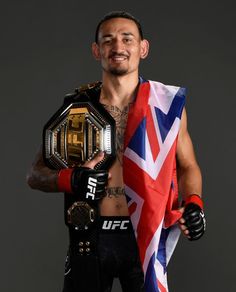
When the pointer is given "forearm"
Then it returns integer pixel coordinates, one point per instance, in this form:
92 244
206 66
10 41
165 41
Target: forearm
40 177
69 180
44 179
190 181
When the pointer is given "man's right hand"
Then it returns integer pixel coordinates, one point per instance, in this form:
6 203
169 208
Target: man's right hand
84 181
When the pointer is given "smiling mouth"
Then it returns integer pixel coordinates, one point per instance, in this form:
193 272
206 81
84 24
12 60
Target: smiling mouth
118 58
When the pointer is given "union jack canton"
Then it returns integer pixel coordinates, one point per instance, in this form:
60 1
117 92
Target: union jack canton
150 176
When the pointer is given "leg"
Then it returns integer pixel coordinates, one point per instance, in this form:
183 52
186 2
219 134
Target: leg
108 265
119 256
133 280
131 273
81 273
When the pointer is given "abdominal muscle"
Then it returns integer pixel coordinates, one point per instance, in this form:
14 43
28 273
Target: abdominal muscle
114 203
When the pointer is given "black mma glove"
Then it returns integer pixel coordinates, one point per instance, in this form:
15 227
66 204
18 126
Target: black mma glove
194 217
87 182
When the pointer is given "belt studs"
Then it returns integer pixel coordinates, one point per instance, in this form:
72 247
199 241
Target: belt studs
83 250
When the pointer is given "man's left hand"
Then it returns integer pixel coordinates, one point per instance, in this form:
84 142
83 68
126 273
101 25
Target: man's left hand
193 222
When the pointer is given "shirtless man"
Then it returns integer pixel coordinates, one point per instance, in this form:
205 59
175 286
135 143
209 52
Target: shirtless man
119 47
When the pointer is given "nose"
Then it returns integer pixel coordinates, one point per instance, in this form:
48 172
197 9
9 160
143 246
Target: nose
118 46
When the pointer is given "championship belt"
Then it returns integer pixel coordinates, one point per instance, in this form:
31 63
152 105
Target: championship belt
81 215
75 134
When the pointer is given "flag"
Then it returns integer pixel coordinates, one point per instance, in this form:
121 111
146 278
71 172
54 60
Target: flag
150 176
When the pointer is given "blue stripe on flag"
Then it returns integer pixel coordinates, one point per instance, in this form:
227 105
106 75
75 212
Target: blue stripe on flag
137 142
150 279
161 254
127 198
165 122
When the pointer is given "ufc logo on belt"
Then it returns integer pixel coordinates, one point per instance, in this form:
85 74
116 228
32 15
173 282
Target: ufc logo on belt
117 224
92 183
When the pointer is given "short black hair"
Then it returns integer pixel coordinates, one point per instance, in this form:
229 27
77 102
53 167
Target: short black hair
118 14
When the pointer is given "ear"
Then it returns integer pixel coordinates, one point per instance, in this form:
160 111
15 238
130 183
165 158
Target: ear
144 49
95 51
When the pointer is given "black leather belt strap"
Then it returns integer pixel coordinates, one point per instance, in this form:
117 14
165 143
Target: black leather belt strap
84 242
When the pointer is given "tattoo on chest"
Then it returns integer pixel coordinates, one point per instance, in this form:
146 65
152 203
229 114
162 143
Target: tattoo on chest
120 116
115 192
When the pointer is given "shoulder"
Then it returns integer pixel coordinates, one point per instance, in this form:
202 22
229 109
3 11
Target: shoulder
166 89
170 99
89 90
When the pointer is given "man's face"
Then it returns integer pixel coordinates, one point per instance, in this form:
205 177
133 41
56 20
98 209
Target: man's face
119 46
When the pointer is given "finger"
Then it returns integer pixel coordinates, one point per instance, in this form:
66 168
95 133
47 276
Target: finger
109 175
181 220
95 160
186 232
182 209
182 227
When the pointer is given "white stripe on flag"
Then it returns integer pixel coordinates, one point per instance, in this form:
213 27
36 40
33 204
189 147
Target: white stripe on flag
139 201
161 276
149 166
161 96
171 241
153 246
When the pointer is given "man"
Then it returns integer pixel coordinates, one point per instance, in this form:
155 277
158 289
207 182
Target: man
119 46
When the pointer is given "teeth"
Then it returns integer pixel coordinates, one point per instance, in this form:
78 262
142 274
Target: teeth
119 58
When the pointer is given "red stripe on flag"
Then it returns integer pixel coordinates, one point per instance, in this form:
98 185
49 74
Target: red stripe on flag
132 208
136 177
155 195
165 175
137 112
152 136
161 287
153 206
172 207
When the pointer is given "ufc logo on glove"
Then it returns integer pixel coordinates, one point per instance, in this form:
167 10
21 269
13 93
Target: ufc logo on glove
92 184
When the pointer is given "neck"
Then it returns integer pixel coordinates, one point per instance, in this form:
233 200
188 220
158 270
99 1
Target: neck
119 90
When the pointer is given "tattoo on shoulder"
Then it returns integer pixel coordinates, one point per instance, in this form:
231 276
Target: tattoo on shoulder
115 192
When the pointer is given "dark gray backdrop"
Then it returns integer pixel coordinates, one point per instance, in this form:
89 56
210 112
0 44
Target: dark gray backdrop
45 53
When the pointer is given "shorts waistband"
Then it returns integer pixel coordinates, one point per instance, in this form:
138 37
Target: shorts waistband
110 224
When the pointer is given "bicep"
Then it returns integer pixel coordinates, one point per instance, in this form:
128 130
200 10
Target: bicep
189 174
185 151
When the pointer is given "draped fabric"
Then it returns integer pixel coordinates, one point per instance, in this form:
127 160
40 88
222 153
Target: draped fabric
150 176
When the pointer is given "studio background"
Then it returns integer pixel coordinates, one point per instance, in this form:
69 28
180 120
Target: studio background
45 53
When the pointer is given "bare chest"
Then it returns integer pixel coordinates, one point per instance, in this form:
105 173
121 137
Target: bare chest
120 116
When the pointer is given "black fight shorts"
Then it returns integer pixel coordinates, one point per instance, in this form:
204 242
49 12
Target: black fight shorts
118 257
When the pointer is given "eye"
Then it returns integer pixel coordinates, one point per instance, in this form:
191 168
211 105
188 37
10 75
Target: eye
127 40
107 41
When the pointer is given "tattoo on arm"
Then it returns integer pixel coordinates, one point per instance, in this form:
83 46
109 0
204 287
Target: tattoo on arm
115 192
40 177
